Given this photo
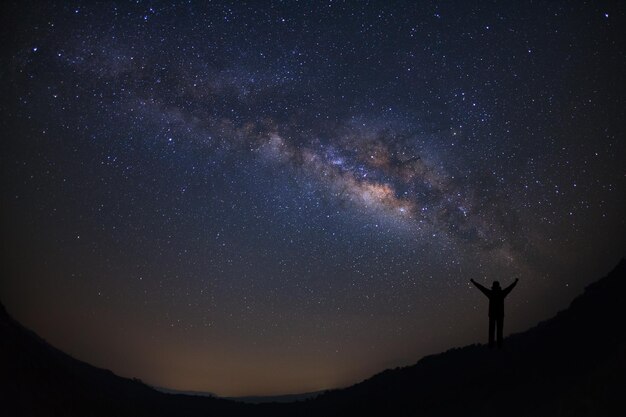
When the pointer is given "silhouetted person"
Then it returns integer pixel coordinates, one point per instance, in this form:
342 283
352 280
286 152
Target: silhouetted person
496 308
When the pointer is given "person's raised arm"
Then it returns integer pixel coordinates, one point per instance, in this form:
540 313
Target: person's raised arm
508 289
481 288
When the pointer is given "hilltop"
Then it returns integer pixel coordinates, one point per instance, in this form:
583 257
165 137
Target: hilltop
572 364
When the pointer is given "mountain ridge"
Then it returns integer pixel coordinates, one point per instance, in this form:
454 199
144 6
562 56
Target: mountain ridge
571 364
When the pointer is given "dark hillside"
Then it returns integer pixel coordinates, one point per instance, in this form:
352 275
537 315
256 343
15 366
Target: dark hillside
571 365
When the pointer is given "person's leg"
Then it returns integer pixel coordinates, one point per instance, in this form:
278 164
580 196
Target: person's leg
500 325
492 325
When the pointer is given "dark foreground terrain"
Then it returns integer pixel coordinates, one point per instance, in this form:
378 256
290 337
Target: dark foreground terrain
571 365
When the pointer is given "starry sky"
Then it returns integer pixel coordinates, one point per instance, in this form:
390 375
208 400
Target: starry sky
280 197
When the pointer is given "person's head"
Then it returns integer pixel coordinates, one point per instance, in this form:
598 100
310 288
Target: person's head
495 285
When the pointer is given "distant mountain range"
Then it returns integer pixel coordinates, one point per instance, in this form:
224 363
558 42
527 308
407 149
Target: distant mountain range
287 398
252 399
571 365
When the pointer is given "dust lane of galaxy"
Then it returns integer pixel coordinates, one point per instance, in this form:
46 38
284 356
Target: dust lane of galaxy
381 170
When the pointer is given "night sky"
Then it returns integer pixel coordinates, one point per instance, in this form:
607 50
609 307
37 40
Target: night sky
280 197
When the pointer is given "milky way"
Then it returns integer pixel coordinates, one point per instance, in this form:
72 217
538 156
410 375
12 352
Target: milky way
282 197
382 170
